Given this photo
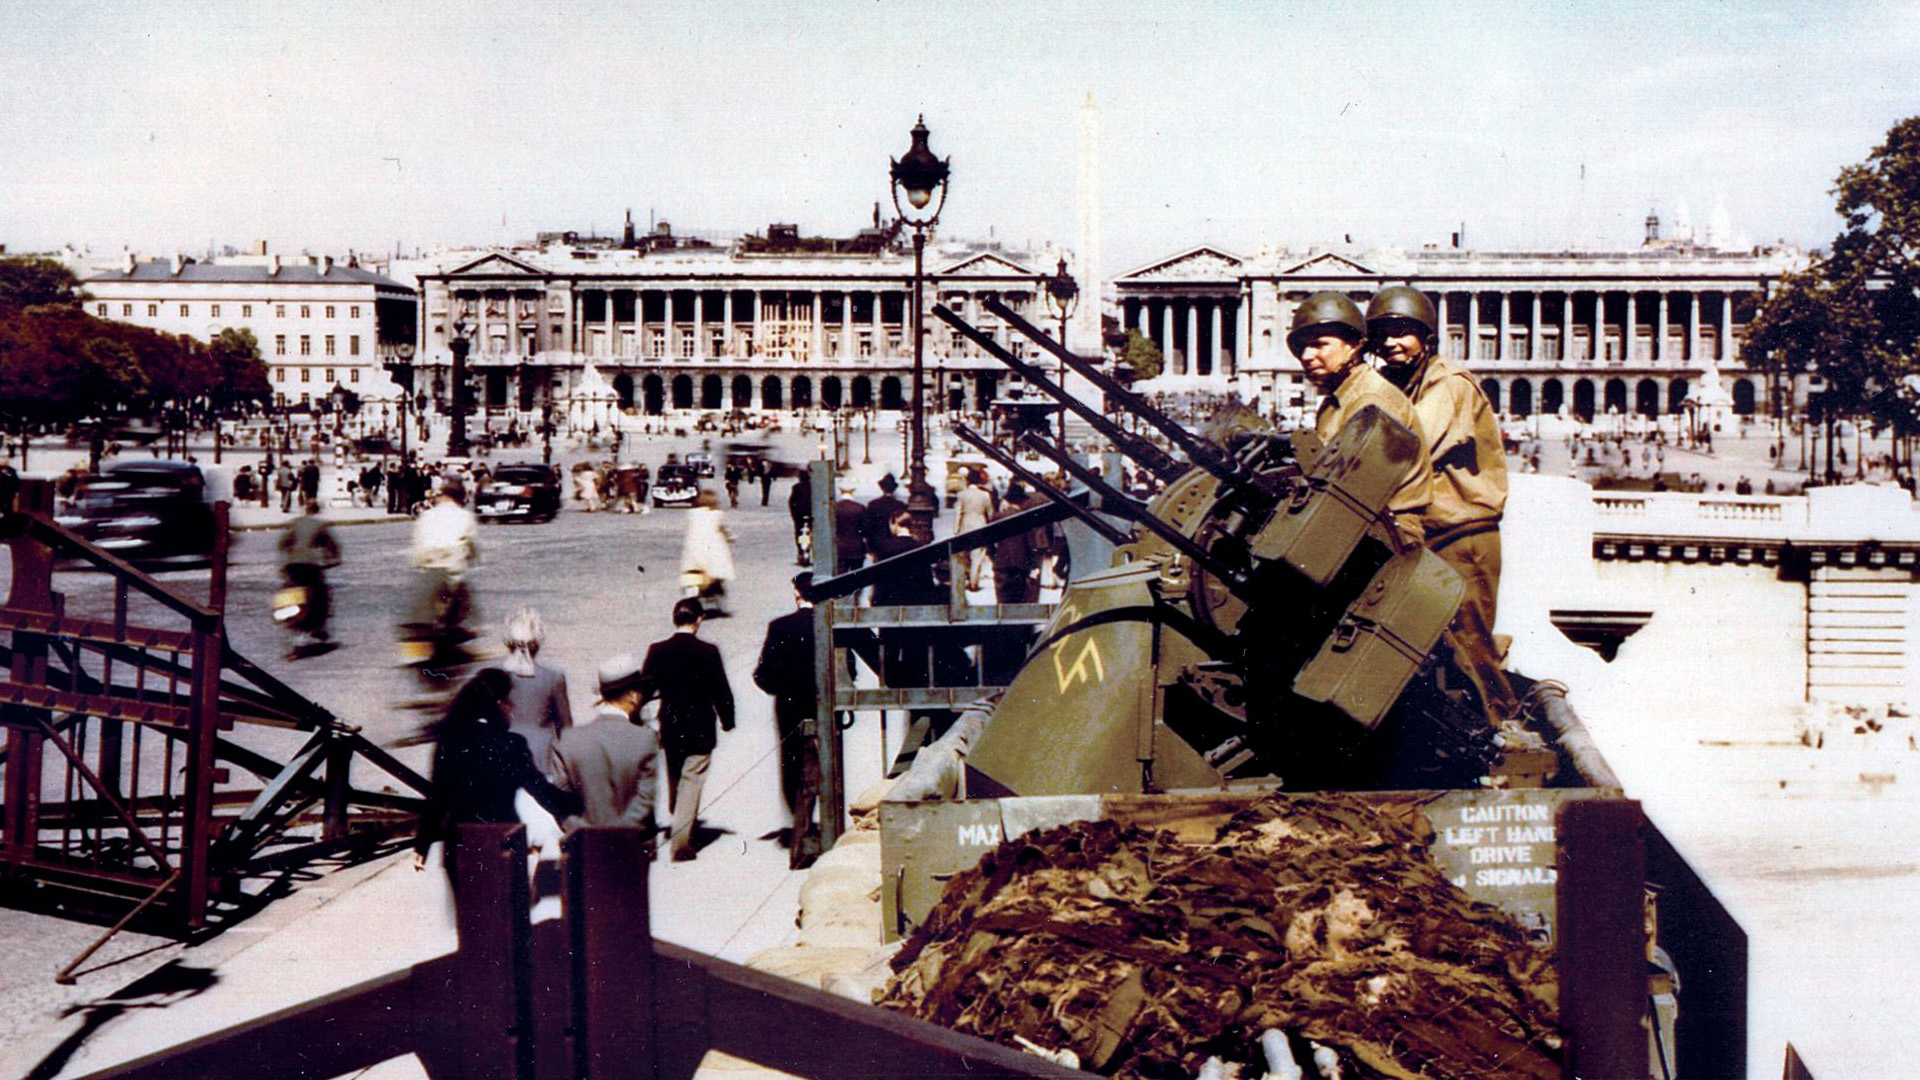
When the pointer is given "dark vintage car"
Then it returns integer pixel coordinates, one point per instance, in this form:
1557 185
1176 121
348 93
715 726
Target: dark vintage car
519 492
154 514
675 485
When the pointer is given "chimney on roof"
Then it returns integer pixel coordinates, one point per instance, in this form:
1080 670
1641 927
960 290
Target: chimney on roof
179 260
259 247
273 264
326 264
127 262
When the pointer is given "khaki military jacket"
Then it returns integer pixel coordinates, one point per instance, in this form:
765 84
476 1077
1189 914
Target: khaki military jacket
1463 440
1363 386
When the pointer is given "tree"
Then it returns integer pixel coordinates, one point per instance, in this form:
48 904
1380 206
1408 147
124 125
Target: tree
32 281
1853 318
238 372
1142 355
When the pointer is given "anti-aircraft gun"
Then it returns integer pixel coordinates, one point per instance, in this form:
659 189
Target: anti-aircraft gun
1263 622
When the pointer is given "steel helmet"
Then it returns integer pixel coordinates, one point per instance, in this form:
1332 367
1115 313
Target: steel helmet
1322 312
1403 302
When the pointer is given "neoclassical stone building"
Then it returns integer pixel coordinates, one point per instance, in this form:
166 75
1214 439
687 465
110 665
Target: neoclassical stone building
1581 332
718 327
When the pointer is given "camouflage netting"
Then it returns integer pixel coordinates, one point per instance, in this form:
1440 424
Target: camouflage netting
1319 916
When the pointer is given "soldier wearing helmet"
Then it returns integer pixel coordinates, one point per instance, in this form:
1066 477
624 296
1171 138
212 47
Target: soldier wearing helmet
1329 336
1469 473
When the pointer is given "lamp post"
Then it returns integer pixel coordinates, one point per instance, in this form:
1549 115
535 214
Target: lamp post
921 177
457 430
1063 296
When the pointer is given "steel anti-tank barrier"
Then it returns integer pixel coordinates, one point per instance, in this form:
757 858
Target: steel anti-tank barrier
120 785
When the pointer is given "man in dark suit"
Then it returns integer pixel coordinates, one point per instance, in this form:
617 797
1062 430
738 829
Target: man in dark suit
612 761
879 514
849 515
786 671
686 674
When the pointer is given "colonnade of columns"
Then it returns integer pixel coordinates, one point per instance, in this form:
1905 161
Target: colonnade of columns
1198 335
1658 326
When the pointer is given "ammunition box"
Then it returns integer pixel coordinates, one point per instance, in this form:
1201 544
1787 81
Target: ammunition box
1384 637
1346 490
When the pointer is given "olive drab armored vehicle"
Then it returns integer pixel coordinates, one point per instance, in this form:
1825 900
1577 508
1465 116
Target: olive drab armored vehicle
1261 624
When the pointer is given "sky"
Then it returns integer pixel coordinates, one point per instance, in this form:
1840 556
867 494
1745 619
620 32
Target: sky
172 126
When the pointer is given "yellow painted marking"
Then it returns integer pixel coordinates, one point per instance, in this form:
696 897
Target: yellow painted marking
1088 667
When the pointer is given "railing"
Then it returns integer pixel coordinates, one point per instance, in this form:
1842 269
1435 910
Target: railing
591 995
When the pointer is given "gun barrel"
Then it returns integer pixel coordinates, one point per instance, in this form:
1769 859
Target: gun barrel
1235 582
1202 452
1012 465
1155 460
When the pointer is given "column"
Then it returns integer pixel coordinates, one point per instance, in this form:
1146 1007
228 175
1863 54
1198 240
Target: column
1534 351
726 323
699 323
609 320
1725 350
1630 333
1693 328
1501 321
1473 326
1213 344
879 339
819 325
1193 335
1660 330
1566 327
846 326
1243 342
759 330
1166 334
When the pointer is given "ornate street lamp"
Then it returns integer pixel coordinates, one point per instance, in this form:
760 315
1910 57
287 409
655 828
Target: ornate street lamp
457 431
920 177
1063 295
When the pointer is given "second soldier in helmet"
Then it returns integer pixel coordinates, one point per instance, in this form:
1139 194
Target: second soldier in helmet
1469 494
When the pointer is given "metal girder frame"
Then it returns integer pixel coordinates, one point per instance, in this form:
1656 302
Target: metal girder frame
45 688
592 998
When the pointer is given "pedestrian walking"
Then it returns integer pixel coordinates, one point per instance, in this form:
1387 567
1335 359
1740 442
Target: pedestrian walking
785 671
971 510
537 695
612 761
873 524
1016 563
706 554
284 482
732 476
687 676
849 549
310 479
800 509
479 766
763 472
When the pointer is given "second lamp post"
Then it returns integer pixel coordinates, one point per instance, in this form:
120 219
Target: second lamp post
1063 296
921 177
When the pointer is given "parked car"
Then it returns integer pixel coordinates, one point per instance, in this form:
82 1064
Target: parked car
675 485
701 463
520 491
151 513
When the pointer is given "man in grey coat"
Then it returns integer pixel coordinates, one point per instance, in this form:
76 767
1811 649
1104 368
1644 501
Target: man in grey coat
612 760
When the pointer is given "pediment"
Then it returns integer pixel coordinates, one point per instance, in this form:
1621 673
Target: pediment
985 264
1328 264
1196 264
497 265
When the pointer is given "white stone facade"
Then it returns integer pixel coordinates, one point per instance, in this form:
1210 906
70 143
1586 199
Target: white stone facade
320 324
1570 332
717 328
